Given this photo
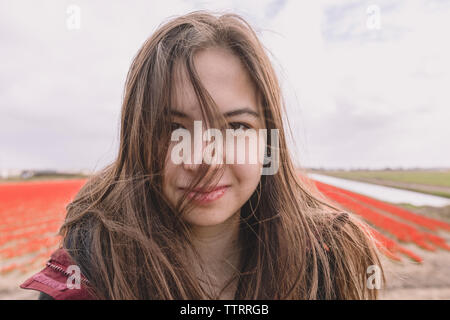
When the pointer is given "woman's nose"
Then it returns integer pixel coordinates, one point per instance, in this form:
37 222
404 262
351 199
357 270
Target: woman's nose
199 156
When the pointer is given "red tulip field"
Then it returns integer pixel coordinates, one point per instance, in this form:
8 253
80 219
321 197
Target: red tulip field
32 212
391 225
30 216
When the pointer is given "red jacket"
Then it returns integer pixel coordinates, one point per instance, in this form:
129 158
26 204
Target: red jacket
52 280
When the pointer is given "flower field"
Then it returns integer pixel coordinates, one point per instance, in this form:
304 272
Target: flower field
32 212
391 225
30 216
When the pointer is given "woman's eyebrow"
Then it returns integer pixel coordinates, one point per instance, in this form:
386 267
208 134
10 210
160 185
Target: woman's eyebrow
242 111
232 113
177 113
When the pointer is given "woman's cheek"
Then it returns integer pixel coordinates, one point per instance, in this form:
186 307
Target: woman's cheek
248 176
247 172
169 174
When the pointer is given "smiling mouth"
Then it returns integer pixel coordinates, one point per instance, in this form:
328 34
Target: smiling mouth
199 195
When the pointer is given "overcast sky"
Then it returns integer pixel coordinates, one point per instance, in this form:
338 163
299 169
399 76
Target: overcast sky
360 91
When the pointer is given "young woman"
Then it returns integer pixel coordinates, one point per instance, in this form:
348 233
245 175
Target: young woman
149 226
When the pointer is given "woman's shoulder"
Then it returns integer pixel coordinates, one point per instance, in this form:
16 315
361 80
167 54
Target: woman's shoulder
60 279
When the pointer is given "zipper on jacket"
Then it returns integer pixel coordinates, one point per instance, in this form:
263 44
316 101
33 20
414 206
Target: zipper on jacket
59 269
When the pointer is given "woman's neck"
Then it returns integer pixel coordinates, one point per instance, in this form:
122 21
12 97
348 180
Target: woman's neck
219 249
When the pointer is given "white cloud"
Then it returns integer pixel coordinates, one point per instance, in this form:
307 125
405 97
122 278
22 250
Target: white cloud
356 97
367 98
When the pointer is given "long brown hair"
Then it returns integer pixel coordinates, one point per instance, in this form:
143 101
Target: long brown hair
130 242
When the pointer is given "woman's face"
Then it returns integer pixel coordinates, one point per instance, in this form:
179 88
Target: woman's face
227 81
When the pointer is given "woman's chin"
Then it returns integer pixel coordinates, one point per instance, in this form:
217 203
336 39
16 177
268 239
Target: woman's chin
207 217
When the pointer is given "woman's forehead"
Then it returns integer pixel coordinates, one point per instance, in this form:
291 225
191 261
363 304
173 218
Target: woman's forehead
223 76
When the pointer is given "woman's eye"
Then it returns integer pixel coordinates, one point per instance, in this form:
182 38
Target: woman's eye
239 125
176 126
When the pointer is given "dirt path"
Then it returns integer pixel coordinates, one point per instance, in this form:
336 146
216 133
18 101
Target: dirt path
9 287
410 280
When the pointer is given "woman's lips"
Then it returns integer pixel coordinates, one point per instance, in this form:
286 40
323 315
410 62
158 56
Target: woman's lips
205 197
